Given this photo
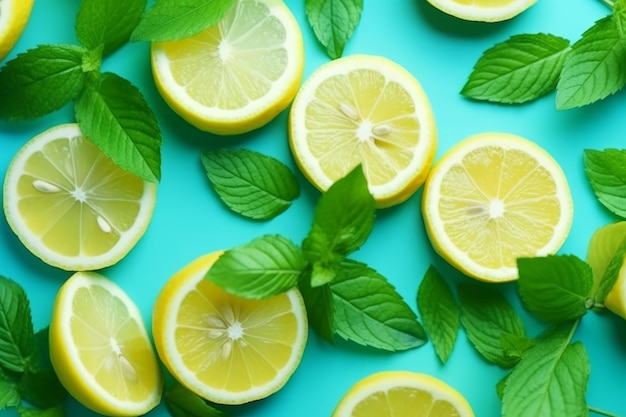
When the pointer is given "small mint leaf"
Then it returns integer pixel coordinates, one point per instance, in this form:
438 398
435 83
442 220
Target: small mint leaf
319 306
264 267
16 326
514 346
183 403
333 22
518 70
170 20
9 395
40 81
114 115
322 274
249 183
606 171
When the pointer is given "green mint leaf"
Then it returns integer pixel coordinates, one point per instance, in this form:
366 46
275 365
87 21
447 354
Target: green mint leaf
319 306
49 412
183 403
550 380
555 288
264 267
370 312
40 81
115 116
514 346
9 395
518 70
605 256
606 171
107 24
487 317
170 20
439 311
250 183
16 326
333 22
595 67
343 220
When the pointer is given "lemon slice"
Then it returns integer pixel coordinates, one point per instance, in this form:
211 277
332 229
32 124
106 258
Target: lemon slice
99 348
483 10
226 349
401 393
14 15
494 198
237 75
72 206
367 110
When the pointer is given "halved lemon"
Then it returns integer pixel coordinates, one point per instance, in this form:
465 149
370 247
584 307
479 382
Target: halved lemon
494 198
237 75
483 10
226 349
100 349
368 110
402 393
14 15
70 205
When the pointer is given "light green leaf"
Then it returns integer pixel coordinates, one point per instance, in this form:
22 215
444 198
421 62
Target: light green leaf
333 22
264 267
606 171
183 403
520 69
370 312
16 327
116 117
249 183
439 312
319 306
9 396
605 256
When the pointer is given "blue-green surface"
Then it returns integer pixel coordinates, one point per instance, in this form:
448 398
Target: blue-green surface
189 220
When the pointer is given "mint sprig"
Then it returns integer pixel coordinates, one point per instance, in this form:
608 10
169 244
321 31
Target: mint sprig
333 22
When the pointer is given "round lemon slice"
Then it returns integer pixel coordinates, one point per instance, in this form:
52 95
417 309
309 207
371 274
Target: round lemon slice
483 10
494 198
235 76
226 349
100 349
14 15
401 393
366 110
70 205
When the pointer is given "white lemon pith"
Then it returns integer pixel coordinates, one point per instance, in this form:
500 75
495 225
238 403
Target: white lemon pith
483 10
100 349
402 393
367 110
226 349
494 198
14 15
70 205
237 75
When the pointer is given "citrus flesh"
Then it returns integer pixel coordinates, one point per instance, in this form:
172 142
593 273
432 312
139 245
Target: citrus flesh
226 349
494 198
367 110
14 15
483 10
402 393
235 76
71 205
100 349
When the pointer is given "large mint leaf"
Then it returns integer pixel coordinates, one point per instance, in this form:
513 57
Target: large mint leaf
40 81
520 69
370 312
16 327
183 403
114 115
333 22
606 171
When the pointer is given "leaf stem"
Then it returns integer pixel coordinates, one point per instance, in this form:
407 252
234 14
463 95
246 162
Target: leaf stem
601 412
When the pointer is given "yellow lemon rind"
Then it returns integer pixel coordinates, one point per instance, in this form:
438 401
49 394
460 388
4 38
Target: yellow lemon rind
13 19
615 300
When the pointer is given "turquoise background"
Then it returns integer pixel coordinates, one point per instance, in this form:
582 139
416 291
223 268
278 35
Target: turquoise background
189 219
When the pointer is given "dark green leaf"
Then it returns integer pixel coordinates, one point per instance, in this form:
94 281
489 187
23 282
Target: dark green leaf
40 81
520 69
9 396
49 412
487 317
115 116
264 267
319 306
606 171
555 288
439 312
107 24
333 22
16 327
605 256
249 183
370 312
170 20
183 403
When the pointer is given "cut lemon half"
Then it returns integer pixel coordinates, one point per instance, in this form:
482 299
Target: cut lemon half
14 15
70 205
494 198
366 110
100 349
483 10
226 349
402 393
235 76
